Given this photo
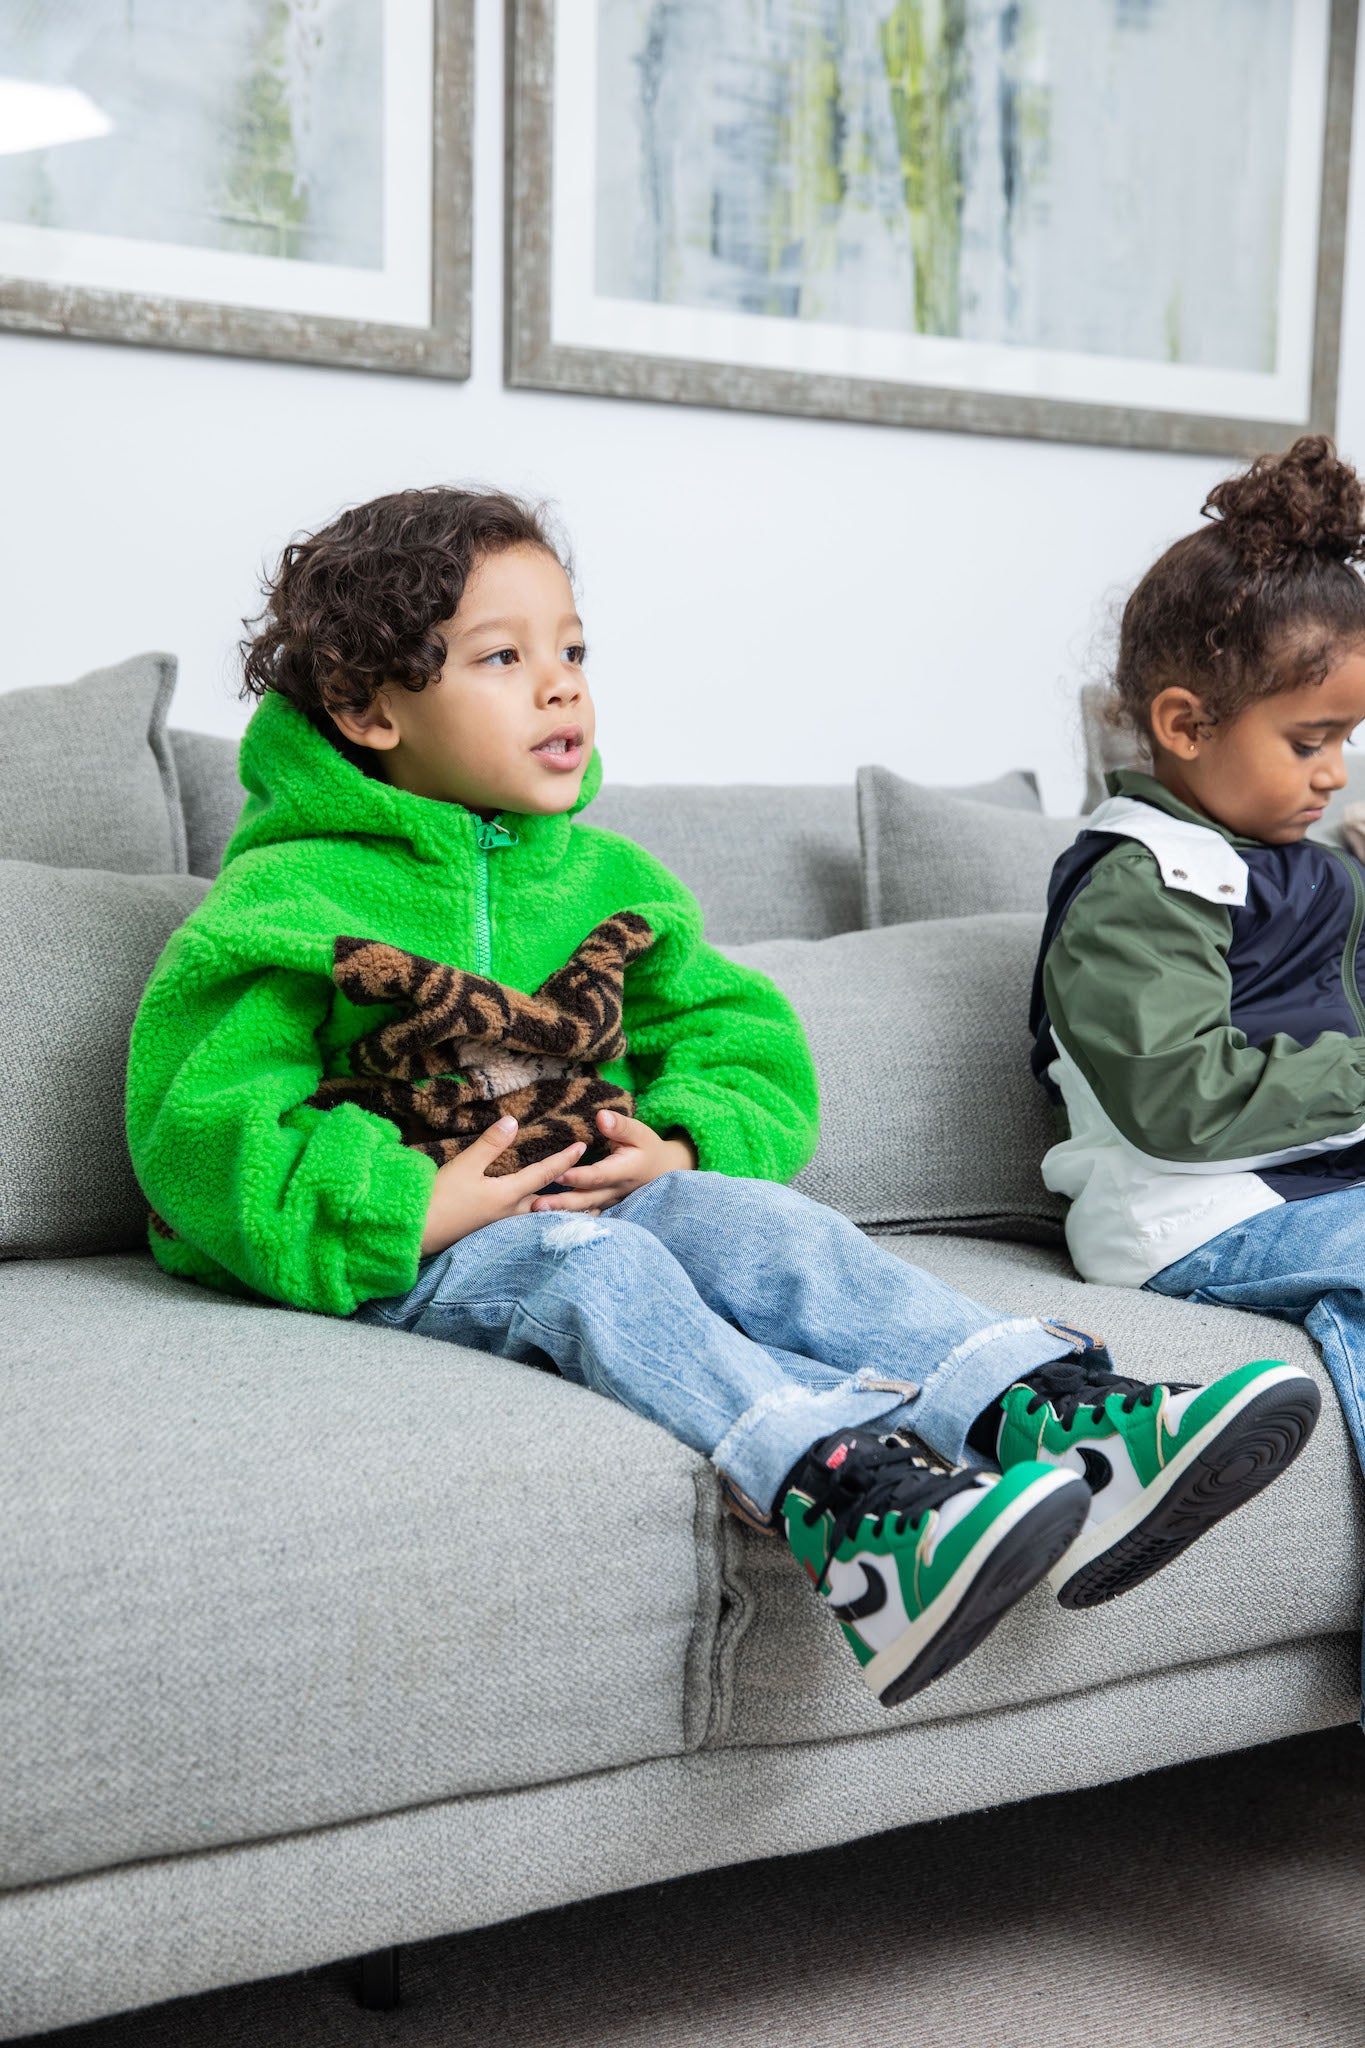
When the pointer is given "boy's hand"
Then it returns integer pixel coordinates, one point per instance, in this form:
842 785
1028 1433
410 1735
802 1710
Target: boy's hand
638 1155
464 1198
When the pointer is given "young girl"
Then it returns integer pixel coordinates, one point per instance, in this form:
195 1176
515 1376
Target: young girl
1199 1008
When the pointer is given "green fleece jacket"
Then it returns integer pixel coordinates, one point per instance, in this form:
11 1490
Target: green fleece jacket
301 1059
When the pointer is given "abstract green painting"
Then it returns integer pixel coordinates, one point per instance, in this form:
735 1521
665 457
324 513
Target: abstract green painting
253 174
1112 204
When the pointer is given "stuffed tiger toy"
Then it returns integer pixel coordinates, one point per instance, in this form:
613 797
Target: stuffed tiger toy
469 1050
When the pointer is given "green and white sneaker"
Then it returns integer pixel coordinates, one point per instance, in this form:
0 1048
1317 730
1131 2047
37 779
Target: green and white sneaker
918 1563
1163 1463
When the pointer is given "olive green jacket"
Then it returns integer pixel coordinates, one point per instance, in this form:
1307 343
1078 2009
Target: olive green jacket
1199 1021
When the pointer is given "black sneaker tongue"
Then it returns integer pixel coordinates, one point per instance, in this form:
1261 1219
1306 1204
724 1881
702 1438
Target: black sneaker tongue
1071 1384
1078 1381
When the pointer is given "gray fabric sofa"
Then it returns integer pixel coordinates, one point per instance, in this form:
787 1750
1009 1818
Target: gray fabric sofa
316 1638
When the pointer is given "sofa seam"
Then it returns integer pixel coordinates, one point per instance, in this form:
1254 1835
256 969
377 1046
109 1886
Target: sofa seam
737 1608
698 1672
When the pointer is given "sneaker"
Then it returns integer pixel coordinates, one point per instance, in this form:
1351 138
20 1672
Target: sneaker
918 1563
1163 1463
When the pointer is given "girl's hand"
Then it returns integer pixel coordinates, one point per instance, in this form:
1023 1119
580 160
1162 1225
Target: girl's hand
464 1197
638 1155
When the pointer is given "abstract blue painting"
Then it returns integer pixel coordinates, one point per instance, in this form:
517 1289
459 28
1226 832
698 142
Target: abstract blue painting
1096 175
927 210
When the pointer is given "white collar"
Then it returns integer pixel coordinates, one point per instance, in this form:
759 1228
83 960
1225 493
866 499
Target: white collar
1194 858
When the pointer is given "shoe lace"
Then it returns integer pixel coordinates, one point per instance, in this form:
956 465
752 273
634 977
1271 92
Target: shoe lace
1071 1384
888 1483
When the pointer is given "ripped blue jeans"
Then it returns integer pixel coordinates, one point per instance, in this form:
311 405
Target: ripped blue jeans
740 1316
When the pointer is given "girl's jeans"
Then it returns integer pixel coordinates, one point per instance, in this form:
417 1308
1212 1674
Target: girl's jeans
743 1318
1304 1262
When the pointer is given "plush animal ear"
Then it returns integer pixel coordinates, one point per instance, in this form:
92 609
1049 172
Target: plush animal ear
603 956
588 990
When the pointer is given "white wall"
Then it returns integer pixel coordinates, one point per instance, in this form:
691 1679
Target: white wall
766 599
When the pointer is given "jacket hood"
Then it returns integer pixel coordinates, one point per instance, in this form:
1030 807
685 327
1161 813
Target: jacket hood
299 787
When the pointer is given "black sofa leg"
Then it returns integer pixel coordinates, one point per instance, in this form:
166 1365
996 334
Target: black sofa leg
379 1980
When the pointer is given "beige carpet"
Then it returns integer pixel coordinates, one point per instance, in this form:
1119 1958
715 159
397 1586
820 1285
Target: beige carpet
1221 1904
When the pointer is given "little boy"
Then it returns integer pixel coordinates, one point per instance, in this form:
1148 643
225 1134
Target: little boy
433 1055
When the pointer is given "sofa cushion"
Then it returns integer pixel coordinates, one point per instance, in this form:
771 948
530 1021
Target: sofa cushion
211 797
265 1571
930 853
1284 1568
929 1114
87 776
764 861
759 860
80 946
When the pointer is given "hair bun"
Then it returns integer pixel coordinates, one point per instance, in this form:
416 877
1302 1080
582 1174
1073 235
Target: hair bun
1306 501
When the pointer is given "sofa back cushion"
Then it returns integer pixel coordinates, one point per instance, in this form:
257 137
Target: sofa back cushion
764 860
938 853
761 860
210 795
929 1115
80 946
87 775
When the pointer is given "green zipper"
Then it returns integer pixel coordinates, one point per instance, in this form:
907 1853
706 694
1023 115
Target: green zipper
1349 984
489 835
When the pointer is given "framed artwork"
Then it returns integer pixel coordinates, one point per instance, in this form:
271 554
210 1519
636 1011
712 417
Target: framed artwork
286 178
1089 220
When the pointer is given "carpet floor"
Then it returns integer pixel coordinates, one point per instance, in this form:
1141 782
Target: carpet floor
1220 1904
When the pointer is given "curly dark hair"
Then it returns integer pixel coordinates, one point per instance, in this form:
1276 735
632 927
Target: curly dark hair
1262 600
358 604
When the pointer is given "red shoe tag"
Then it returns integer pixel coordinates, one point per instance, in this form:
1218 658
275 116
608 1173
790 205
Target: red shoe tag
836 1457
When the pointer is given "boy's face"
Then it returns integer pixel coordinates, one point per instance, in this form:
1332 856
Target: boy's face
509 724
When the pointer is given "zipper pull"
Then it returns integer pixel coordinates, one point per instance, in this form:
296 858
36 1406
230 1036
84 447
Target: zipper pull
491 833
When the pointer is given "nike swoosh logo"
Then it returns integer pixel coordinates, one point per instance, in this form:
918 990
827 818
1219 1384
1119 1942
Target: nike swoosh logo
1098 1470
871 1600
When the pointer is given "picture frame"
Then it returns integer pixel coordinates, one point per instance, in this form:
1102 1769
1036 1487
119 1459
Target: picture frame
402 301
565 333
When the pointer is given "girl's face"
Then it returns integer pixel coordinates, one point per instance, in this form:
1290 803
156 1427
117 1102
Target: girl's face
1269 772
